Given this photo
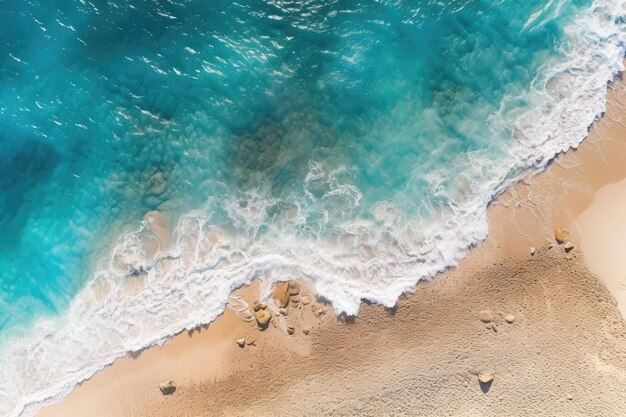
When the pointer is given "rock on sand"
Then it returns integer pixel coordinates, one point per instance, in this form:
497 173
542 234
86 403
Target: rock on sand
294 288
262 317
250 339
167 387
485 377
486 316
281 294
560 235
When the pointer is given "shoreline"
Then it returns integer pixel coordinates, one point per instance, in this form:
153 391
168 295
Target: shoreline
554 198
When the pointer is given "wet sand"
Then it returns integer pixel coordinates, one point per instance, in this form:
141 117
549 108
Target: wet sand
564 353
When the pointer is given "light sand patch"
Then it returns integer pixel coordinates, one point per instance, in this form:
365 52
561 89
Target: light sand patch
603 239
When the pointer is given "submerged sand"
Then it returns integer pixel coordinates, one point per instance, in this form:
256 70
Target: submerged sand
563 354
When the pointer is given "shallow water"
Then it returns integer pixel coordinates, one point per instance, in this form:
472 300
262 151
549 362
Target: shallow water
355 144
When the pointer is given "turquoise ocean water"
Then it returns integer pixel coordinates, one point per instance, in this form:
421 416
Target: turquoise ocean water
355 143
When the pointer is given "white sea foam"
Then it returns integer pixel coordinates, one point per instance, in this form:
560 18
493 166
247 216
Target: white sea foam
139 299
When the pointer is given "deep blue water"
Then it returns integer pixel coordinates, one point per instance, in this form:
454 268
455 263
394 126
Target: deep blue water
98 97
363 117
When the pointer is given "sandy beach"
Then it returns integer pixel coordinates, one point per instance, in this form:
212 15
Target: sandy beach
543 321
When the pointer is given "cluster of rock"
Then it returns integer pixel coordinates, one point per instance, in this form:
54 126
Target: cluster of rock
288 297
487 317
560 235
485 378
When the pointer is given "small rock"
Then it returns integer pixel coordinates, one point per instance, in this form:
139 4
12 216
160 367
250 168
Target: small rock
282 311
281 294
294 288
295 300
318 310
259 306
167 387
509 318
568 246
488 327
485 377
570 397
262 317
560 235
250 339
532 251
305 300
494 327
291 329
306 329
241 342
486 316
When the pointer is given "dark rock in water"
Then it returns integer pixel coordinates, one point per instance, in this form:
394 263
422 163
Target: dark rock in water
157 183
167 387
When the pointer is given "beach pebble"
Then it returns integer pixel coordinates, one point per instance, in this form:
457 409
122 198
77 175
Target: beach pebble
294 288
318 310
262 317
241 342
295 300
282 311
259 306
291 329
560 235
305 300
570 397
485 377
568 246
509 318
281 294
167 387
532 251
250 339
486 316
306 329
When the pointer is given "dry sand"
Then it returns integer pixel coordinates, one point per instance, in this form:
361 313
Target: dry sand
603 231
564 354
